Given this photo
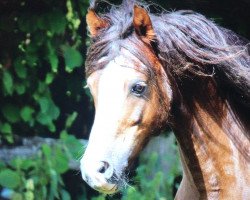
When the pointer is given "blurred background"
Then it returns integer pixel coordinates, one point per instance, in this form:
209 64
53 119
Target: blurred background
46 114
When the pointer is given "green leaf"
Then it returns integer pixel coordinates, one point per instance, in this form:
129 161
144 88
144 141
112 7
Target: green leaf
20 89
60 161
49 112
70 119
46 150
16 163
11 113
21 69
9 138
53 185
44 104
26 113
49 78
29 195
54 111
72 58
5 128
48 107
20 163
9 178
72 144
57 22
44 119
53 59
7 82
52 127
65 195
27 163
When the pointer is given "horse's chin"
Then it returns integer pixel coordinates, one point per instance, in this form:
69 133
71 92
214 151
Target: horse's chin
103 185
108 188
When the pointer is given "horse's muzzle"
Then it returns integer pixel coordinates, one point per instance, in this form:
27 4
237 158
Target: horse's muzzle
98 176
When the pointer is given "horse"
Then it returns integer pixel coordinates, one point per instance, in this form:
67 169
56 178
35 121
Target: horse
148 71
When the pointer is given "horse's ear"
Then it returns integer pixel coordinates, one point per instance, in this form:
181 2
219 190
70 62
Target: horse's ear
95 23
142 24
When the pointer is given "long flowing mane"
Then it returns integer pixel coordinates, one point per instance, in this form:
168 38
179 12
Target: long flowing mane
193 50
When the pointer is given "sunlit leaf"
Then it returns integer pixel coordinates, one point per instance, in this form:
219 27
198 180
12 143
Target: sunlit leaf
70 119
9 178
53 185
26 164
43 118
46 150
53 59
5 128
49 78
60 161
7 82
26 113
72 58
29 195
44 104
52 127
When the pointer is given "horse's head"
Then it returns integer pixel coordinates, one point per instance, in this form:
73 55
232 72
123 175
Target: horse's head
132 98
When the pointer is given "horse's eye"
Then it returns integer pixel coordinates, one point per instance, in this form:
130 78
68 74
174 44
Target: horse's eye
138 89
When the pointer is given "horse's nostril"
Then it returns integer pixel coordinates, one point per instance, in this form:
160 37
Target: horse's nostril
103 168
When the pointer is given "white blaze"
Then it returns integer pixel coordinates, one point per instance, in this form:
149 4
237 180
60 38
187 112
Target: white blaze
105 142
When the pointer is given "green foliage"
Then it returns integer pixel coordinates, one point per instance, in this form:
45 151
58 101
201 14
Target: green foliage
152 181
39 177
39 48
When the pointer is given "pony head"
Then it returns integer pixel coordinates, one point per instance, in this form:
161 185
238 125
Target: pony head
131 94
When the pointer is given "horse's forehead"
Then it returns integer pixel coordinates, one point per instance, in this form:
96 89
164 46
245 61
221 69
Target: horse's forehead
127 59
121 72
123 67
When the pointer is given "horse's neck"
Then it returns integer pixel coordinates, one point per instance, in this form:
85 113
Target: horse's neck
214 166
